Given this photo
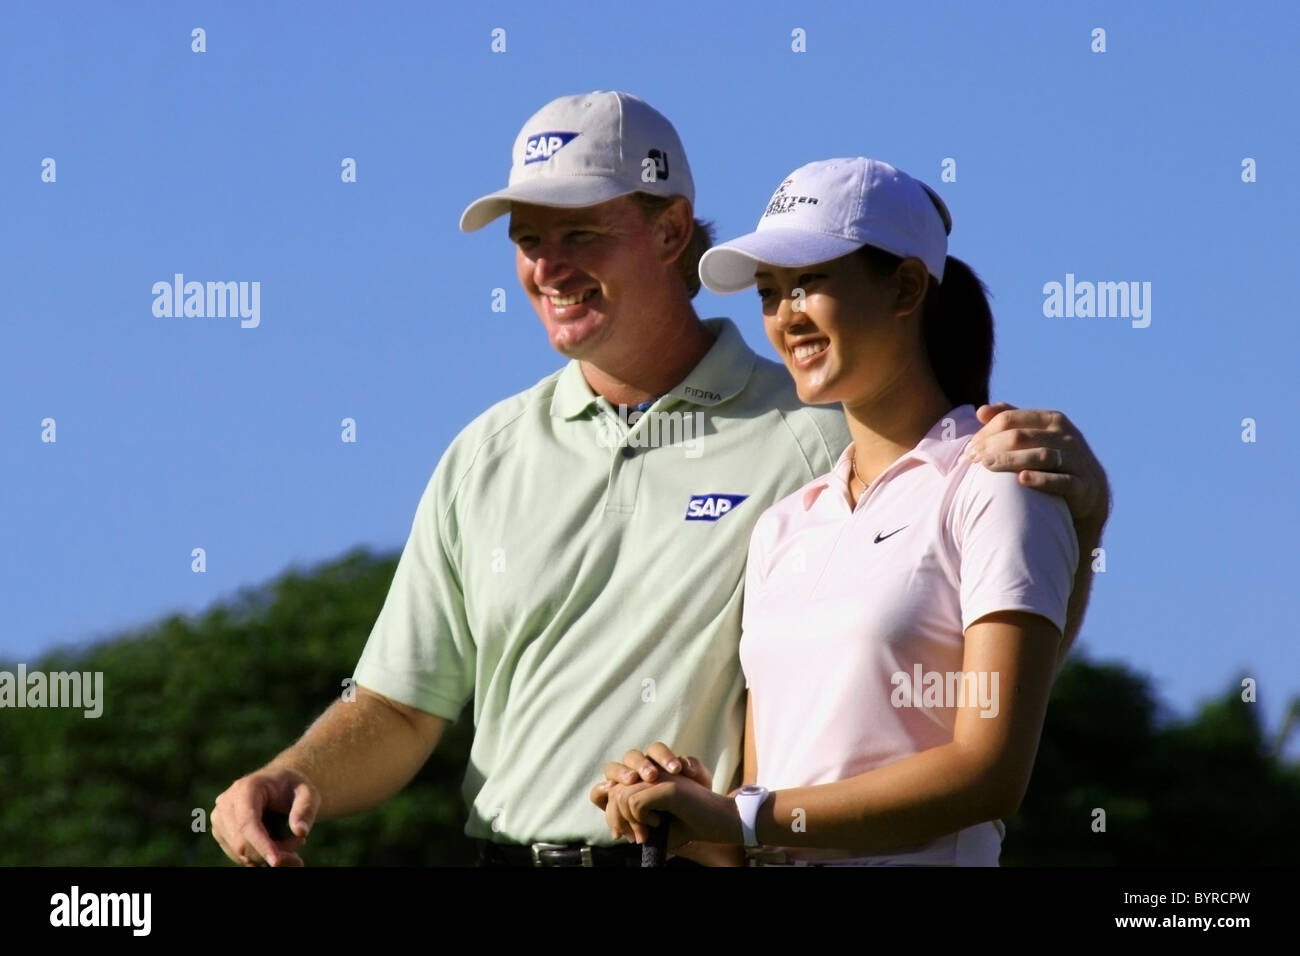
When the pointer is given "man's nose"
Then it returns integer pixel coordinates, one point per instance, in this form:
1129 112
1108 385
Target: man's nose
549 264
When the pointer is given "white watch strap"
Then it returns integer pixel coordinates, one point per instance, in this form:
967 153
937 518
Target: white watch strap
748 802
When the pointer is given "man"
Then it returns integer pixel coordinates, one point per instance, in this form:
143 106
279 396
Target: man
576 561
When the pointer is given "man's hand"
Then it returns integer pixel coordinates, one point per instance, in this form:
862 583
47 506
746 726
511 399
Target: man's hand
237 824
658 762
1051 455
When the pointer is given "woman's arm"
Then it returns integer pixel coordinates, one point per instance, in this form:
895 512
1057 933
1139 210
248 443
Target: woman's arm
981 775
749 767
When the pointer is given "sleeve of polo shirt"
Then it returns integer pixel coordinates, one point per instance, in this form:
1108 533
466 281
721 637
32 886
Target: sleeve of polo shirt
420 651
1018 550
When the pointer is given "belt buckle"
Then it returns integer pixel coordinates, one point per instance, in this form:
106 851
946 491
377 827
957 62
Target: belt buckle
584 852
767 856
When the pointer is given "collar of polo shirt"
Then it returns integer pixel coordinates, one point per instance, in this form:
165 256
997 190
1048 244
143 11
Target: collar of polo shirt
933 448
720 375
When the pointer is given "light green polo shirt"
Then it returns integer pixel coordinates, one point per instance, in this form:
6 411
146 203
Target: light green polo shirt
582 582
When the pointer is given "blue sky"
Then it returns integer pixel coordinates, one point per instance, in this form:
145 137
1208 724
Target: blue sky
225 165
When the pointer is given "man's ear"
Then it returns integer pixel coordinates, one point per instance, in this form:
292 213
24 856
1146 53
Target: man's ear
672 229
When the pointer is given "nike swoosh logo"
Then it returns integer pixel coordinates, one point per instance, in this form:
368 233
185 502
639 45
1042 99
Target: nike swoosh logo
881 537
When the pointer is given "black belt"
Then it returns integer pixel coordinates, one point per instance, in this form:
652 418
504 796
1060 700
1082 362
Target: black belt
557 854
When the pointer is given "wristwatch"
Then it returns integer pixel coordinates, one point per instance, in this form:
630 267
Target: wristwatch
749 799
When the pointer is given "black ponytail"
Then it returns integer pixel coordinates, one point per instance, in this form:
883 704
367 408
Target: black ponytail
956 326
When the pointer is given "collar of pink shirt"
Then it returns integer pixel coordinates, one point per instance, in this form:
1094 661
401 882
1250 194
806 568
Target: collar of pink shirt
941 447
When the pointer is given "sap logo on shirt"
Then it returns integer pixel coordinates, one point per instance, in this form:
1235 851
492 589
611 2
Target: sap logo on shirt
711 507
542 146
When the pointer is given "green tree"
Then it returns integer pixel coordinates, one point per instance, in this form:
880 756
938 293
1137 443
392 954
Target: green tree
193 703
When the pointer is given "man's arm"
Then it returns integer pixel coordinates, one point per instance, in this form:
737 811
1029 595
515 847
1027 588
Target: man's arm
353 757
359 753
1089 538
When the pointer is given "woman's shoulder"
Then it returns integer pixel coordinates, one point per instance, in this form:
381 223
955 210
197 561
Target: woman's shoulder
974 483
998 502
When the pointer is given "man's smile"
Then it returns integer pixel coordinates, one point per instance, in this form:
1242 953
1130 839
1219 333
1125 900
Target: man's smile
559 301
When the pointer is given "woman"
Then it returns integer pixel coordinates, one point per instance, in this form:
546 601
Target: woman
903 614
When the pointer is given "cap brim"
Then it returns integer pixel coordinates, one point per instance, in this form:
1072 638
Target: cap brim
568 192
730 267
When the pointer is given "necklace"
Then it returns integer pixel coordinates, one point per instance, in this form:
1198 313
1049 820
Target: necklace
853 463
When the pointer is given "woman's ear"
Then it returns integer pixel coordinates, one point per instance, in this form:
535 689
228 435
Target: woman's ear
912 279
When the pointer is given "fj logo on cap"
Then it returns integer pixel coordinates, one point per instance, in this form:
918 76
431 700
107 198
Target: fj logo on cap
660 159
711 507
542 146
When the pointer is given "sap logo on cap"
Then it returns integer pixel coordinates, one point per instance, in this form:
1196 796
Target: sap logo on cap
711 507
542 146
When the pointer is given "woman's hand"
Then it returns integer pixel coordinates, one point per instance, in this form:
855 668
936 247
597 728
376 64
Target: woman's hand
657 763
696 812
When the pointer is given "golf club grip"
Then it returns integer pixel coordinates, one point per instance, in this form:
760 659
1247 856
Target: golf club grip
655 849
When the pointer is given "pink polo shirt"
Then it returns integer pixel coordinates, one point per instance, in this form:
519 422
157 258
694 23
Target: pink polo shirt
854 618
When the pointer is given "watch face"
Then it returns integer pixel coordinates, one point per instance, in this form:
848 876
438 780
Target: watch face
750 790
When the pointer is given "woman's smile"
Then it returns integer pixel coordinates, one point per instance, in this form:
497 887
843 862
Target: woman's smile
809 353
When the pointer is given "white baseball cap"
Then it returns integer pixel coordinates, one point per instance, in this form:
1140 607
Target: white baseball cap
586 149
829 208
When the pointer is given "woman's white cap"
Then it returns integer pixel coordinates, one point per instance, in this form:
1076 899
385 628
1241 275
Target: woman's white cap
829 208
